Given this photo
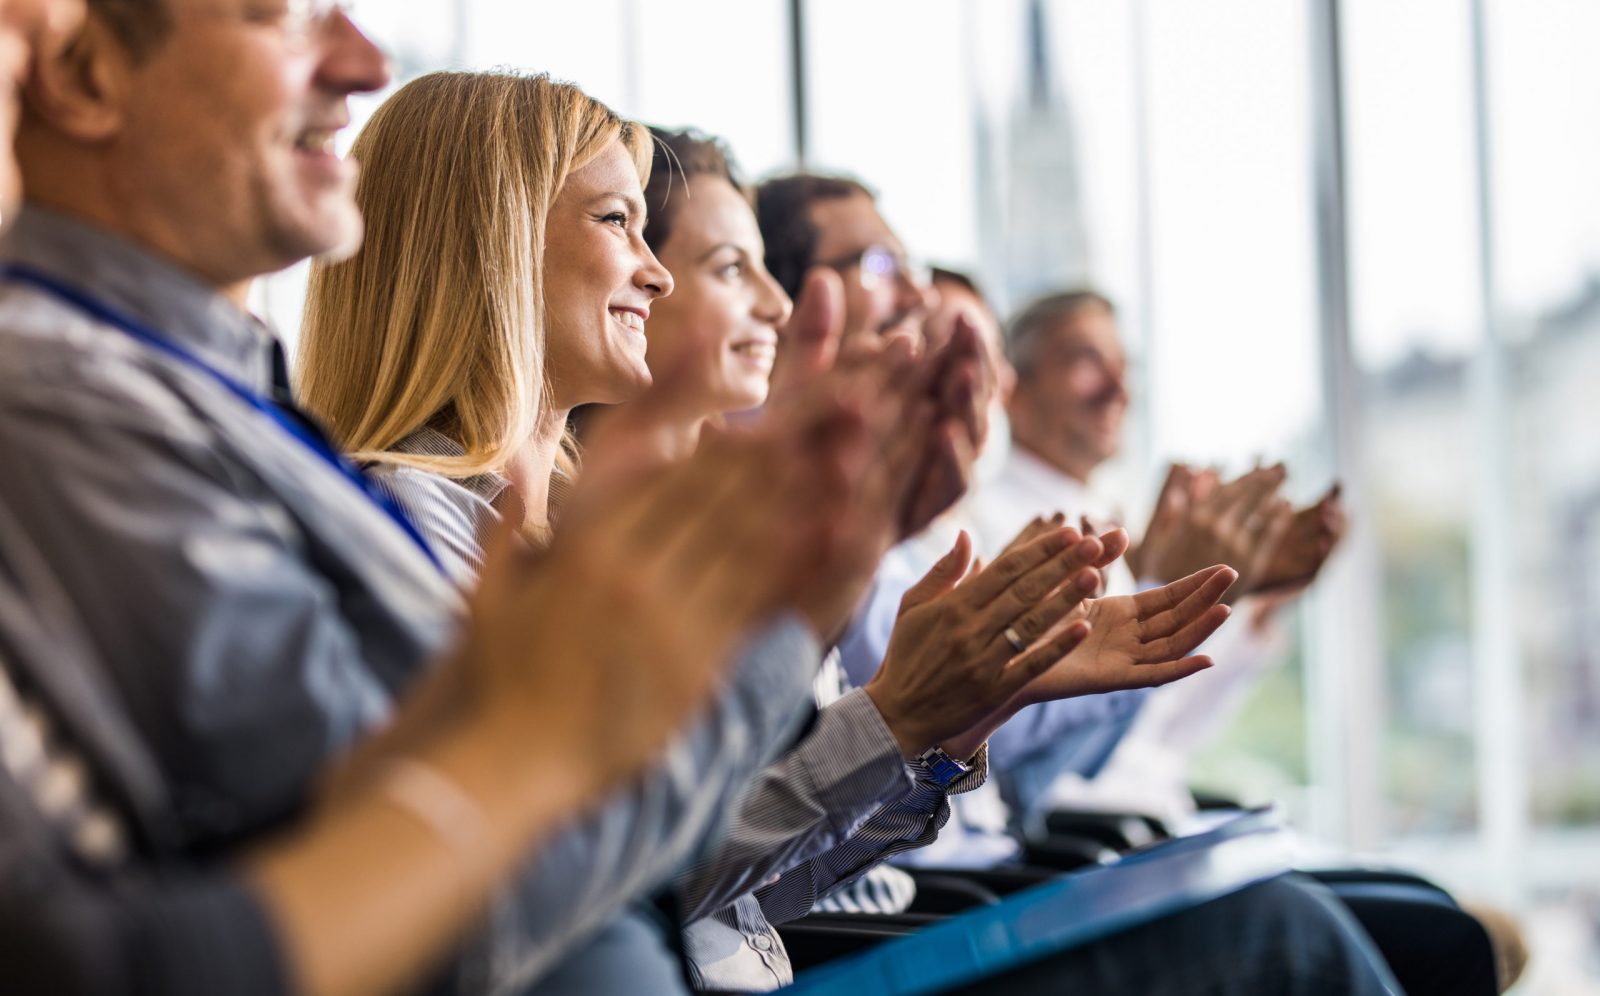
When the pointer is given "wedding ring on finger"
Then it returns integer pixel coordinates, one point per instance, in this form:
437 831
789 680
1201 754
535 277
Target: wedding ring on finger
1015 639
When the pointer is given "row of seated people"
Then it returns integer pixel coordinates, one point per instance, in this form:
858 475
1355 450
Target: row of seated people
381 694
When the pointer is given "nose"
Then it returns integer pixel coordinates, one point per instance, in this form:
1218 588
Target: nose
912 296
351 62
1116 382
772 304
651 275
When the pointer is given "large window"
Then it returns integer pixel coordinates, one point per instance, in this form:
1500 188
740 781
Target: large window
1415 324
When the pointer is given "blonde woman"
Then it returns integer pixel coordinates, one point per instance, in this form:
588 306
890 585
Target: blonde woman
503 281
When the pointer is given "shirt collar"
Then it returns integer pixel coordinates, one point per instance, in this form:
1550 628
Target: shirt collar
1050 487
431 442
1026 471
133 279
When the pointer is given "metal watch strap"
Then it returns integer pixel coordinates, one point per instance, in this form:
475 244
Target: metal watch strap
941 767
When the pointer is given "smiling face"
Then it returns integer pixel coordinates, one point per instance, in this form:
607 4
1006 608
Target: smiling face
719 330
883 293
1071 405
600 282
224 144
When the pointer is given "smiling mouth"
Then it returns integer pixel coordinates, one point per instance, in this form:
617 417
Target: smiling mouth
755 349
318 141
630 320
1105 415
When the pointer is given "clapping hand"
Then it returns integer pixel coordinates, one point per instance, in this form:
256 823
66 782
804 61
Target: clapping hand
1200 522
1299 556
1134 641
808 343
955 656
918 418
611 639
1138 641
947 373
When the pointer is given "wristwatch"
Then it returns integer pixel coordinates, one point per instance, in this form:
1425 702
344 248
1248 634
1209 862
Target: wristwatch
941 767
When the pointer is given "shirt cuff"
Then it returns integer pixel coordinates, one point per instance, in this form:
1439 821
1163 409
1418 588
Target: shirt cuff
852 761
977 772
927 793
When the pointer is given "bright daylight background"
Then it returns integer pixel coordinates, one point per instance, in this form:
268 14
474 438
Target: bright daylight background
1342 232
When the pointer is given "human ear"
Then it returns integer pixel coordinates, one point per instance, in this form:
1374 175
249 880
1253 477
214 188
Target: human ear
79 87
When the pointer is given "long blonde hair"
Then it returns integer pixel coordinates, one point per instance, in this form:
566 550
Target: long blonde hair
438 321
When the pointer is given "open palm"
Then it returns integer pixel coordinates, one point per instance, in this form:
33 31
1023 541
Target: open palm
1139 641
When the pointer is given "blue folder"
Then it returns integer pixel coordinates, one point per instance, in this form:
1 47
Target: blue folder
1068 912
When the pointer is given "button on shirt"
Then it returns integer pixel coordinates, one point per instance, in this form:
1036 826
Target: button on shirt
55 778
255 609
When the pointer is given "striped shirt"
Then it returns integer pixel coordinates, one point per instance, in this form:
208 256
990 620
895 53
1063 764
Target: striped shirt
737 947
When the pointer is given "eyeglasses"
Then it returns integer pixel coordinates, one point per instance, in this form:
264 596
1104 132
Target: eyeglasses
880 264
299 20
304 18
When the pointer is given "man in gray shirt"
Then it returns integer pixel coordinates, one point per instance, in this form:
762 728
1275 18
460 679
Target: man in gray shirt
259 607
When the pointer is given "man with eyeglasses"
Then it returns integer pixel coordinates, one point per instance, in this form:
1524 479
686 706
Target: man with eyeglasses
812 220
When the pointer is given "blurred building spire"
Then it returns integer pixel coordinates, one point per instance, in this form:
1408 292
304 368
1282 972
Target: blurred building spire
1038 89
1043 240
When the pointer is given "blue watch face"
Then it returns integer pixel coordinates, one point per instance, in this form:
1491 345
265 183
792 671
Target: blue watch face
941 767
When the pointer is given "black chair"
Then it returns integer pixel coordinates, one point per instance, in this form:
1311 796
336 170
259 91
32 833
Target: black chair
1117 831
819 938
1064 853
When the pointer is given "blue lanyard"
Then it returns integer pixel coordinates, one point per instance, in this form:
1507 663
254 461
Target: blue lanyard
289 421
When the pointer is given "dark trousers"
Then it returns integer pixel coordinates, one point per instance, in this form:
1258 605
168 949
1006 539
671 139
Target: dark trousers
1432 946
1289 936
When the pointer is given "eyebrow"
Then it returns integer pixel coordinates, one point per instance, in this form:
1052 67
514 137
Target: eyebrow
635 204
718 248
